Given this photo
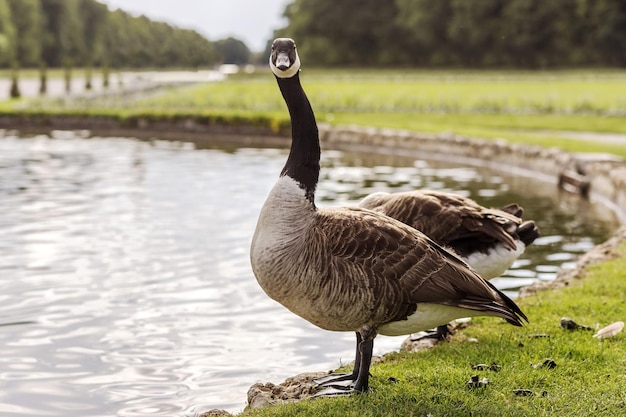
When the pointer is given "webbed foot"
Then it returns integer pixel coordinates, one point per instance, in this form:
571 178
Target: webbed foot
330 392
341 380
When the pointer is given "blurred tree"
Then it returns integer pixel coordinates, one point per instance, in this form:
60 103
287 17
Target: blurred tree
143 50
94 17
167 38
261 58
532 32
233 51
27 18
116 40
139 42
350 32
196 51
63 41
475 32
606 32
68 33
427 22
8 46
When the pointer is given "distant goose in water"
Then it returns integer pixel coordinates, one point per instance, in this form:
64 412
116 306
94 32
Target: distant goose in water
489 240
352 269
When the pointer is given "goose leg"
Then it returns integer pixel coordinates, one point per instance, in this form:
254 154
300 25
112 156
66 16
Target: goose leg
362 382
439 333
358 380
442 332
343 381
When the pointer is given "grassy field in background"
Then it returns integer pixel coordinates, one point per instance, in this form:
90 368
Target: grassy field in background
531 107
424 92
418 92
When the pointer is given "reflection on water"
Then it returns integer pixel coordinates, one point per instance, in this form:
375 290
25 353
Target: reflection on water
125 285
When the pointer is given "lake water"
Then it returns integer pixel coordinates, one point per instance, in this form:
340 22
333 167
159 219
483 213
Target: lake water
125 283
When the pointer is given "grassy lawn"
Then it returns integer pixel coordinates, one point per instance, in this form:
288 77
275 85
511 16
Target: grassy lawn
589 377
335 93
531 107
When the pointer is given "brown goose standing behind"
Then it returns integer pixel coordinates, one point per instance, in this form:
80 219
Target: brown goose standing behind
351 269
489 240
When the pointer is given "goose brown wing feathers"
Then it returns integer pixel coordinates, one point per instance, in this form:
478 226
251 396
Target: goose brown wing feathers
449 218
402 267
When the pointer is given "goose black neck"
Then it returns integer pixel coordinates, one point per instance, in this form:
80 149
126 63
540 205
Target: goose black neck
303 163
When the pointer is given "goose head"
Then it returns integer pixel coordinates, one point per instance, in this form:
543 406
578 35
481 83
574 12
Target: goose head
284 60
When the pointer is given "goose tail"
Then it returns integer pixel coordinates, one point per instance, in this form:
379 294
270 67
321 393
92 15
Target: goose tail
528 232
510 311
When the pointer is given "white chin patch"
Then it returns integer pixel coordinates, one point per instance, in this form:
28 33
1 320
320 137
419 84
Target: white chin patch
289 72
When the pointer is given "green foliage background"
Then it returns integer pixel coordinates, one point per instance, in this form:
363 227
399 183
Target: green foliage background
468 33
61 33
418 33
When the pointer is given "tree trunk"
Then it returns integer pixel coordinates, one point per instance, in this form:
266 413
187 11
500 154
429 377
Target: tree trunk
43 80
15 88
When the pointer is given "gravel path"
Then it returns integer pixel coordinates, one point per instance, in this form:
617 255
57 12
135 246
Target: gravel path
612 138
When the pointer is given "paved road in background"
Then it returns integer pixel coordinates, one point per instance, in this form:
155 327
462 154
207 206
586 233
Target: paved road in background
118 82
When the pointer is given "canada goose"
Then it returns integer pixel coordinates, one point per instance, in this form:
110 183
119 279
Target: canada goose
352 269
489 240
